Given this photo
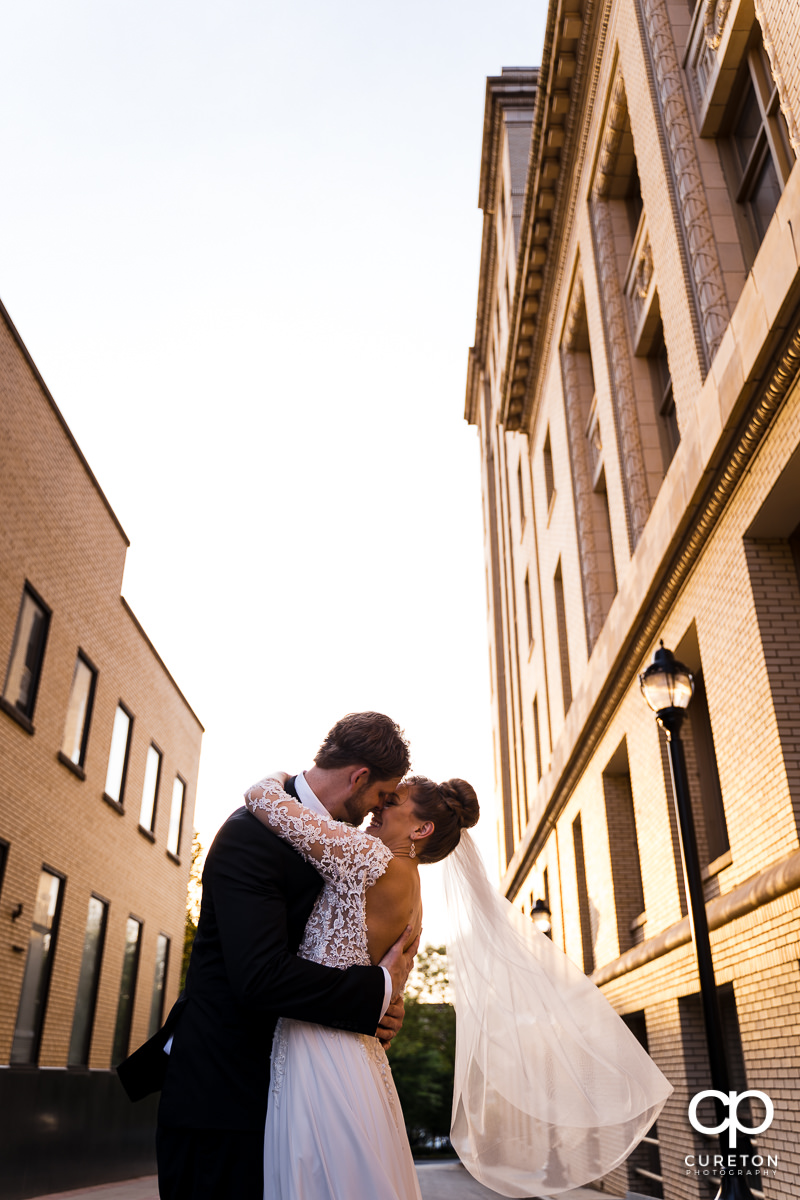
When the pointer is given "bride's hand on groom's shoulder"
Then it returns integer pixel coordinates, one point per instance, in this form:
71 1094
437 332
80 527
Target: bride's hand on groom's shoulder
280 776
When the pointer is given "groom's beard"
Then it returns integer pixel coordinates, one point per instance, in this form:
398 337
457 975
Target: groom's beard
354 807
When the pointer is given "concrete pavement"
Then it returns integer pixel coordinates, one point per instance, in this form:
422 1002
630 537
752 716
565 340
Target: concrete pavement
437 1181
450 1181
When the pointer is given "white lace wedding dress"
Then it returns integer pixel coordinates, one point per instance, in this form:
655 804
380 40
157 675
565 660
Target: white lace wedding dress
334 1126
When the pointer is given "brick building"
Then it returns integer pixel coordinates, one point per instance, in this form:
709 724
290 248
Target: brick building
635 384
99 755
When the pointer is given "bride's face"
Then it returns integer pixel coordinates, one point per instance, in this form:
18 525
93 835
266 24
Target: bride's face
394 819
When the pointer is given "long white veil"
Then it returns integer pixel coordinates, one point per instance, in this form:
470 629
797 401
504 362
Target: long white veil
551 1088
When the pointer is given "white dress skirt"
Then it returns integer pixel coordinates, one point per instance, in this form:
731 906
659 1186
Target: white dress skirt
334 1127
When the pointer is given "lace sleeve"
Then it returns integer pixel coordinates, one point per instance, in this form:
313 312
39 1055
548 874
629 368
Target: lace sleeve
336 849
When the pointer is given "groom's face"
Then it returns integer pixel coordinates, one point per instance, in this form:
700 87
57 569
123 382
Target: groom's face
368 795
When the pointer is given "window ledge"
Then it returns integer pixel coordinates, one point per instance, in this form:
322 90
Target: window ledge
174 857
12 711
70 765
719 864
637 922
115 804
147 833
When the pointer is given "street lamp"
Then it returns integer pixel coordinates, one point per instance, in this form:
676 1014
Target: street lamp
540 915
667 686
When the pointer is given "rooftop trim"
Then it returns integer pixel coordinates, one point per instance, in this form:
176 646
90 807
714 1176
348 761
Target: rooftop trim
48 396
513 92
160 660
565 70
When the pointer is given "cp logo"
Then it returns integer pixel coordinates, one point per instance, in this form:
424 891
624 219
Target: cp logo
732 1100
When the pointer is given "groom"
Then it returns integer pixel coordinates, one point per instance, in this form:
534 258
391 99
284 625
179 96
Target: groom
243 974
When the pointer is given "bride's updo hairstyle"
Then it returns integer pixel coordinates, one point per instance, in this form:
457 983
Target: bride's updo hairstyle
450 806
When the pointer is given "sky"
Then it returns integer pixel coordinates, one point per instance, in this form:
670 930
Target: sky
241 242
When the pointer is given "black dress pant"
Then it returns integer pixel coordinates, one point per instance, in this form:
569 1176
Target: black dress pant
210 1164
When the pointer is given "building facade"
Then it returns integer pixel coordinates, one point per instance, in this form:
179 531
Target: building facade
635 385
99 755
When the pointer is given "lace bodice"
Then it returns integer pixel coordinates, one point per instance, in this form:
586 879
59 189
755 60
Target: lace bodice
348 860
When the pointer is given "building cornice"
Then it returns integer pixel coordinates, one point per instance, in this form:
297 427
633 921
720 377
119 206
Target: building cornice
515 89
564 78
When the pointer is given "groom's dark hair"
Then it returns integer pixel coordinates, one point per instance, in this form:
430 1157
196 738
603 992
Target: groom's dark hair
367 739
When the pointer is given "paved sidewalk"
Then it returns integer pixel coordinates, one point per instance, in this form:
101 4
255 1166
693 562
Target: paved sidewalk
437 1181
132 1189
451 1181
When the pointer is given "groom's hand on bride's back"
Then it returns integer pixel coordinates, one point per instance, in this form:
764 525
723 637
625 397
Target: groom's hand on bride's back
398 961
391 1021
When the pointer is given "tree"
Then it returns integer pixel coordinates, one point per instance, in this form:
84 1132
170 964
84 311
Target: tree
422 1055
194 895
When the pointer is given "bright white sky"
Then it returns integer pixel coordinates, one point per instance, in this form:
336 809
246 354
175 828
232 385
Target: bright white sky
241 242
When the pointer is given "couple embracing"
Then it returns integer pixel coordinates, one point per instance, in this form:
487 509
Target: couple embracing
272 1066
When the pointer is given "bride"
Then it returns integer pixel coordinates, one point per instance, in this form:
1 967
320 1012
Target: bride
551 1089
334 1126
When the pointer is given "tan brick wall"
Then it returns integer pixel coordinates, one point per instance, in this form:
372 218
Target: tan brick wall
58 534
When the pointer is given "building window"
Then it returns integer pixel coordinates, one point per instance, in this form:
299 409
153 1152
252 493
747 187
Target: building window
521 496
626 871
38 968
757 151
549 478
159 983
528 614
584 910
88 980
704 777
79 711
695 1055
668 432
644 1164
127 991
176 816
537 740
27 654
152 775
120 752
3 861
563 645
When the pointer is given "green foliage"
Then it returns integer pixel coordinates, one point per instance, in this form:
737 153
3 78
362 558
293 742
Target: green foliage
193 897
422 1055
428 980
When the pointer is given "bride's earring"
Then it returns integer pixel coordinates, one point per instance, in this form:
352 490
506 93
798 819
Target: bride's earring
413 851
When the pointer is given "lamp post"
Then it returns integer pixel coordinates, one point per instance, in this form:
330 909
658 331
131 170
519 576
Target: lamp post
667 686
540 915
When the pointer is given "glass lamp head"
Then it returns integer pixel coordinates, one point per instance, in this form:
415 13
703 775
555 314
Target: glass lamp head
540 915
666 683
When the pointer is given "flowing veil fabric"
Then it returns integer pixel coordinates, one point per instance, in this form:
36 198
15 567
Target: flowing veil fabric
551 1088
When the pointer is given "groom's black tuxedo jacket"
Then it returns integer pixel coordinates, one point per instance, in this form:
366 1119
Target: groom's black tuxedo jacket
243 974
